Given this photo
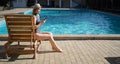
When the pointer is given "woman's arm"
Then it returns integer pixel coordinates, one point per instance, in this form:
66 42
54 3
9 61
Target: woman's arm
41 23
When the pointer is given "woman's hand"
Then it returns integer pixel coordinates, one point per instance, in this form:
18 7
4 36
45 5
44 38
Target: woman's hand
44 20
41 23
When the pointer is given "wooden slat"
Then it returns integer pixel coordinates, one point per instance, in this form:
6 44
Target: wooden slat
21 37
19 23
27 26
20 46
24 23
22 40
21 51
18 19
17 15
20 32
24 36
20 28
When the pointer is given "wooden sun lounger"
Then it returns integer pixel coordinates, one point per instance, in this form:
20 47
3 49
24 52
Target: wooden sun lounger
21 29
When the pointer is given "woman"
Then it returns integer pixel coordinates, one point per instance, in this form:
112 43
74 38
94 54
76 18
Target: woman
45 35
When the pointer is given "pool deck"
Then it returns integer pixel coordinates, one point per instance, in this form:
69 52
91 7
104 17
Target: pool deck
20 10
15 10
74 52
77 49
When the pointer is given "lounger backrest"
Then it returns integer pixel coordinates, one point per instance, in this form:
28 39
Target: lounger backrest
20 27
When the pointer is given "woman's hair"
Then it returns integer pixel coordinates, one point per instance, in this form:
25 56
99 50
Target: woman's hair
34 12
35 7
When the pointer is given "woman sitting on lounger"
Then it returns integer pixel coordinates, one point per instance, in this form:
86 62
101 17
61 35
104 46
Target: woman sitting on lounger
45 35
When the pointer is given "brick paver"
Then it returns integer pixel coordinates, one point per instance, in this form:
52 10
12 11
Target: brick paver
74 52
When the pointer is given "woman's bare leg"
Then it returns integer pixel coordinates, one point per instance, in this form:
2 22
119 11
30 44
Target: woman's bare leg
53 43
49 36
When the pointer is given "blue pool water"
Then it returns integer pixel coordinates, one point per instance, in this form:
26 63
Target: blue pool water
76 22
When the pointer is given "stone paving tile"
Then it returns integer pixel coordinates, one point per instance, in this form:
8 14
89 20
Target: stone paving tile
15 10
74 52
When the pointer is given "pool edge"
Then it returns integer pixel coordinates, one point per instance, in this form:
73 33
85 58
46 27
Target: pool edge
87 37
78 37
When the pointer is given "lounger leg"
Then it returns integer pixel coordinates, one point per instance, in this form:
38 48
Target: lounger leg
35 54
6 54
6 48
38 45
35 49
18 43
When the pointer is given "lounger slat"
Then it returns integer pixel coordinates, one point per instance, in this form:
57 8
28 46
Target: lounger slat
22 40
19 27
20 32
25 23
21 36
19 19
22 28
19 23
21 51
20 46
17 15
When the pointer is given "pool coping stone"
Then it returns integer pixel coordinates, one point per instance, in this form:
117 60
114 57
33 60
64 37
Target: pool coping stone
78 37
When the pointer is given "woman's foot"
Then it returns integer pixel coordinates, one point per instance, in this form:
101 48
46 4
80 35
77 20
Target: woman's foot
57 49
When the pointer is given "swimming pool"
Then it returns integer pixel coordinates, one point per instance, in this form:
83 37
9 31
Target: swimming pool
76 22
